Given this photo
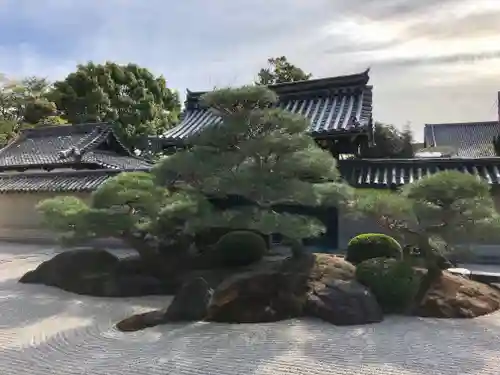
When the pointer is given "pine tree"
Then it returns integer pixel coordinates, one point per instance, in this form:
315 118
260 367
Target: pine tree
262 157
435 213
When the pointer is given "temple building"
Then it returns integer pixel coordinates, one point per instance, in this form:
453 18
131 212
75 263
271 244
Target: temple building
50 161
339 110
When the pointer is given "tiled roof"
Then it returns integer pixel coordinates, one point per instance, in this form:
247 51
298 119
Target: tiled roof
471 139
95 144
55 181
333 106
396 172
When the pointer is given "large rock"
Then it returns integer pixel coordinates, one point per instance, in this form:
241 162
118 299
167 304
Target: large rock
317 284
457 297
320 267
191 302
96 272
66 269
343 303
276 292
258 296
113 285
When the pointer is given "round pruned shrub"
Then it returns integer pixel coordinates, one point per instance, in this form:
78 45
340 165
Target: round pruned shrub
393 282
372 245
240 248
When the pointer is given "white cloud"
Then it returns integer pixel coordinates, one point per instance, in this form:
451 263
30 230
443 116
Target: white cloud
198 44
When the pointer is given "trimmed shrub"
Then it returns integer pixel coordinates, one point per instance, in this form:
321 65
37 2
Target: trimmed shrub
393 282
240 248
209 238
372 245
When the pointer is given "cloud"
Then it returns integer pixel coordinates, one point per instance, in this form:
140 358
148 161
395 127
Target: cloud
417 48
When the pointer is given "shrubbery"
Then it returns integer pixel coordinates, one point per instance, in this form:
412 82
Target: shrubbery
393 282
372 245
240 248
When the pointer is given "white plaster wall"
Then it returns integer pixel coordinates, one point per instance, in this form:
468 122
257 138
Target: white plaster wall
19 218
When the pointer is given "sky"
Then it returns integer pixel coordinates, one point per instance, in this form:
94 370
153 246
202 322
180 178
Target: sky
431 61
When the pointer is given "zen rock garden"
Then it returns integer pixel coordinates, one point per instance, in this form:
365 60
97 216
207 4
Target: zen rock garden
202 218
276 287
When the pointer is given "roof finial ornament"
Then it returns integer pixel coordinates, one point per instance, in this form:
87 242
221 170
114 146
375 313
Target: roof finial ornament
72 151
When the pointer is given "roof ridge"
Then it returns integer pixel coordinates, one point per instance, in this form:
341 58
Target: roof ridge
130 156
119 141
19 137
342 81
92 139
72 172
451 160
490 122
66 129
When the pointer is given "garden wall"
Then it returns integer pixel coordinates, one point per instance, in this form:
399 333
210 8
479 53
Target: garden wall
19 219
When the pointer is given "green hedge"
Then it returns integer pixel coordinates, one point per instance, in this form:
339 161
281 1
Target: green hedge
240 248
393 282
372 245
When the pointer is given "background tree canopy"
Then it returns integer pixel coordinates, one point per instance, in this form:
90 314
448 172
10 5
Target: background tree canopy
279 70
23 104
129 96
390 143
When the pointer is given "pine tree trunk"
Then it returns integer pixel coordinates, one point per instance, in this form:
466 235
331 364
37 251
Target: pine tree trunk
297 247
434 272
149 256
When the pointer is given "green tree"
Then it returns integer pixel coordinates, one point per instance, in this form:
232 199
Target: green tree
261 155
24 103
389 142
130 207
434 214
279 70
131 97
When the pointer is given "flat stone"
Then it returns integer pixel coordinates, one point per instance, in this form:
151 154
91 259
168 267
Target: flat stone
141 321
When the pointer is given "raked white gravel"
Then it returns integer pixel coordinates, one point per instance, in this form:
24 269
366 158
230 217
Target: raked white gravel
44 331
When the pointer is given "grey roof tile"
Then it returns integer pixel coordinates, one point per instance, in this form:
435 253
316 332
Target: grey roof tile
55 181
63 145
393 173
471 139
332 105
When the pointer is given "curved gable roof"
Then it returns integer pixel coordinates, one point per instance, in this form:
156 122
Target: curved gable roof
59 146
333 105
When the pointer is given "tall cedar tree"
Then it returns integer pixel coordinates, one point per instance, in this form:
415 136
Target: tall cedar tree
263 156
435 213
131 97
279 70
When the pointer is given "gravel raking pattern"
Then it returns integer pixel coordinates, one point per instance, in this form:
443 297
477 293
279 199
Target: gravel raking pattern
47 331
